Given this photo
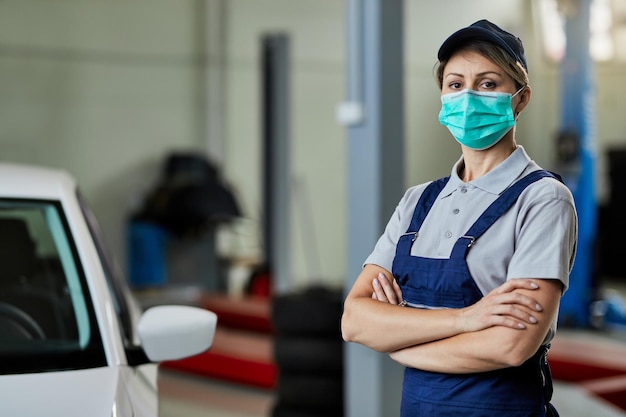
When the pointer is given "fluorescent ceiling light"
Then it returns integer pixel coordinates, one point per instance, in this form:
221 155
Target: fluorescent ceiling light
552 29
601 44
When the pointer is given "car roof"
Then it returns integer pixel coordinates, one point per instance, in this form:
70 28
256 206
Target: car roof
34 182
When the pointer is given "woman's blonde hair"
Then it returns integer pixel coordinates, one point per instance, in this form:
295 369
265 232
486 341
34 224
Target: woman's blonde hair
494 54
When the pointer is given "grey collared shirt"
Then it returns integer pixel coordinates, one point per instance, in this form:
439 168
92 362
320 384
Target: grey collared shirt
535 238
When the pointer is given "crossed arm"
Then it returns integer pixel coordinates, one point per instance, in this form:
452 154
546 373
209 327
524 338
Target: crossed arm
503 329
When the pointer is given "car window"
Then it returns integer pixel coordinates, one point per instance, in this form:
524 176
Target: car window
47 319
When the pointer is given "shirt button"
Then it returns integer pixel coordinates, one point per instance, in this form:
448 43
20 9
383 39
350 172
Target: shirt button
455 211
448 235
463 190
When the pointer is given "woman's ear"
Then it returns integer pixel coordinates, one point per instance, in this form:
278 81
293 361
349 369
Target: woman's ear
524 99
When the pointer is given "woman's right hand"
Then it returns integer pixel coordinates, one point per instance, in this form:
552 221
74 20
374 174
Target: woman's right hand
503 306
386 290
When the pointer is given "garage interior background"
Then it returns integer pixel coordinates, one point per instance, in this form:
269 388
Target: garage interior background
106 89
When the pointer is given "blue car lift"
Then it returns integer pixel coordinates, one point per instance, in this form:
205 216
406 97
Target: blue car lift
577 122
577 119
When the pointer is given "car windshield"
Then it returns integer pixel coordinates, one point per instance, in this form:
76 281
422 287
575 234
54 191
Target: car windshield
47 320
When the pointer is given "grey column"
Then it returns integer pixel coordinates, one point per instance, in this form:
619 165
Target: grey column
276 158
374 115
211 20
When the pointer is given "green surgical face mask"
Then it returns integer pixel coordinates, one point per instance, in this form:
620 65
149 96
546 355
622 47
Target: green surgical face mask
477 119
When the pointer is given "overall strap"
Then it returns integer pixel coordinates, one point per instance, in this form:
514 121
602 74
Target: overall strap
497 209
423 206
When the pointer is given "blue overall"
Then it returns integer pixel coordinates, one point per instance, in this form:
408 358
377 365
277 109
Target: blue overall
523 391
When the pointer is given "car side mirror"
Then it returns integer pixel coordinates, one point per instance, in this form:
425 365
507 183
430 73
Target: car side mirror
175 332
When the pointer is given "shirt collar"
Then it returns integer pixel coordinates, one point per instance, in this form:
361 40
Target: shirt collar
495 181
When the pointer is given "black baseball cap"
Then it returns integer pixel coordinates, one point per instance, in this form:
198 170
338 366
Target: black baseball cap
484 30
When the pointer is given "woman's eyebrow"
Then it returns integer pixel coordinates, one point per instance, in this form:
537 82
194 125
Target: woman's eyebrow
454 74
480 74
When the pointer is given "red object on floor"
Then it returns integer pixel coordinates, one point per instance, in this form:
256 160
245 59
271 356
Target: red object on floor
598 367
242 350
250 312
229 368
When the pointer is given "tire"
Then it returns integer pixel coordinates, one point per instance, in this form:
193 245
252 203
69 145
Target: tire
311 392
281 410
314 312
310 355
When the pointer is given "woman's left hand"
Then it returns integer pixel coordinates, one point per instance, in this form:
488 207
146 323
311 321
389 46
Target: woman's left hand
386 290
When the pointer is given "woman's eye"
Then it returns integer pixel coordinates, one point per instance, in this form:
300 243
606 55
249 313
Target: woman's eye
455 85
488 85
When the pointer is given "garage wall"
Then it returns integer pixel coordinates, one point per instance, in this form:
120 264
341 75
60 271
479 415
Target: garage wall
105 89
101 89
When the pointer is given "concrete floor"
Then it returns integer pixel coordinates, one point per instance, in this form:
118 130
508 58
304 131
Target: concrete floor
191 396
571 401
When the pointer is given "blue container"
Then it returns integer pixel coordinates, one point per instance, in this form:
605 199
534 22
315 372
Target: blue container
146 254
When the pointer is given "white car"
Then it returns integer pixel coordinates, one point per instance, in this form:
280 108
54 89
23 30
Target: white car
73 341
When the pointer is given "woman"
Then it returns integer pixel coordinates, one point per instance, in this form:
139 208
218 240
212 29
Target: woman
464 285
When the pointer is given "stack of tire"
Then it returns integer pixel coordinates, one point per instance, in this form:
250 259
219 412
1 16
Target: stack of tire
308 351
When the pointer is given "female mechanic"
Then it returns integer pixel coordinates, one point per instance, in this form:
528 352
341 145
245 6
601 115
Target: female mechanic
463 287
